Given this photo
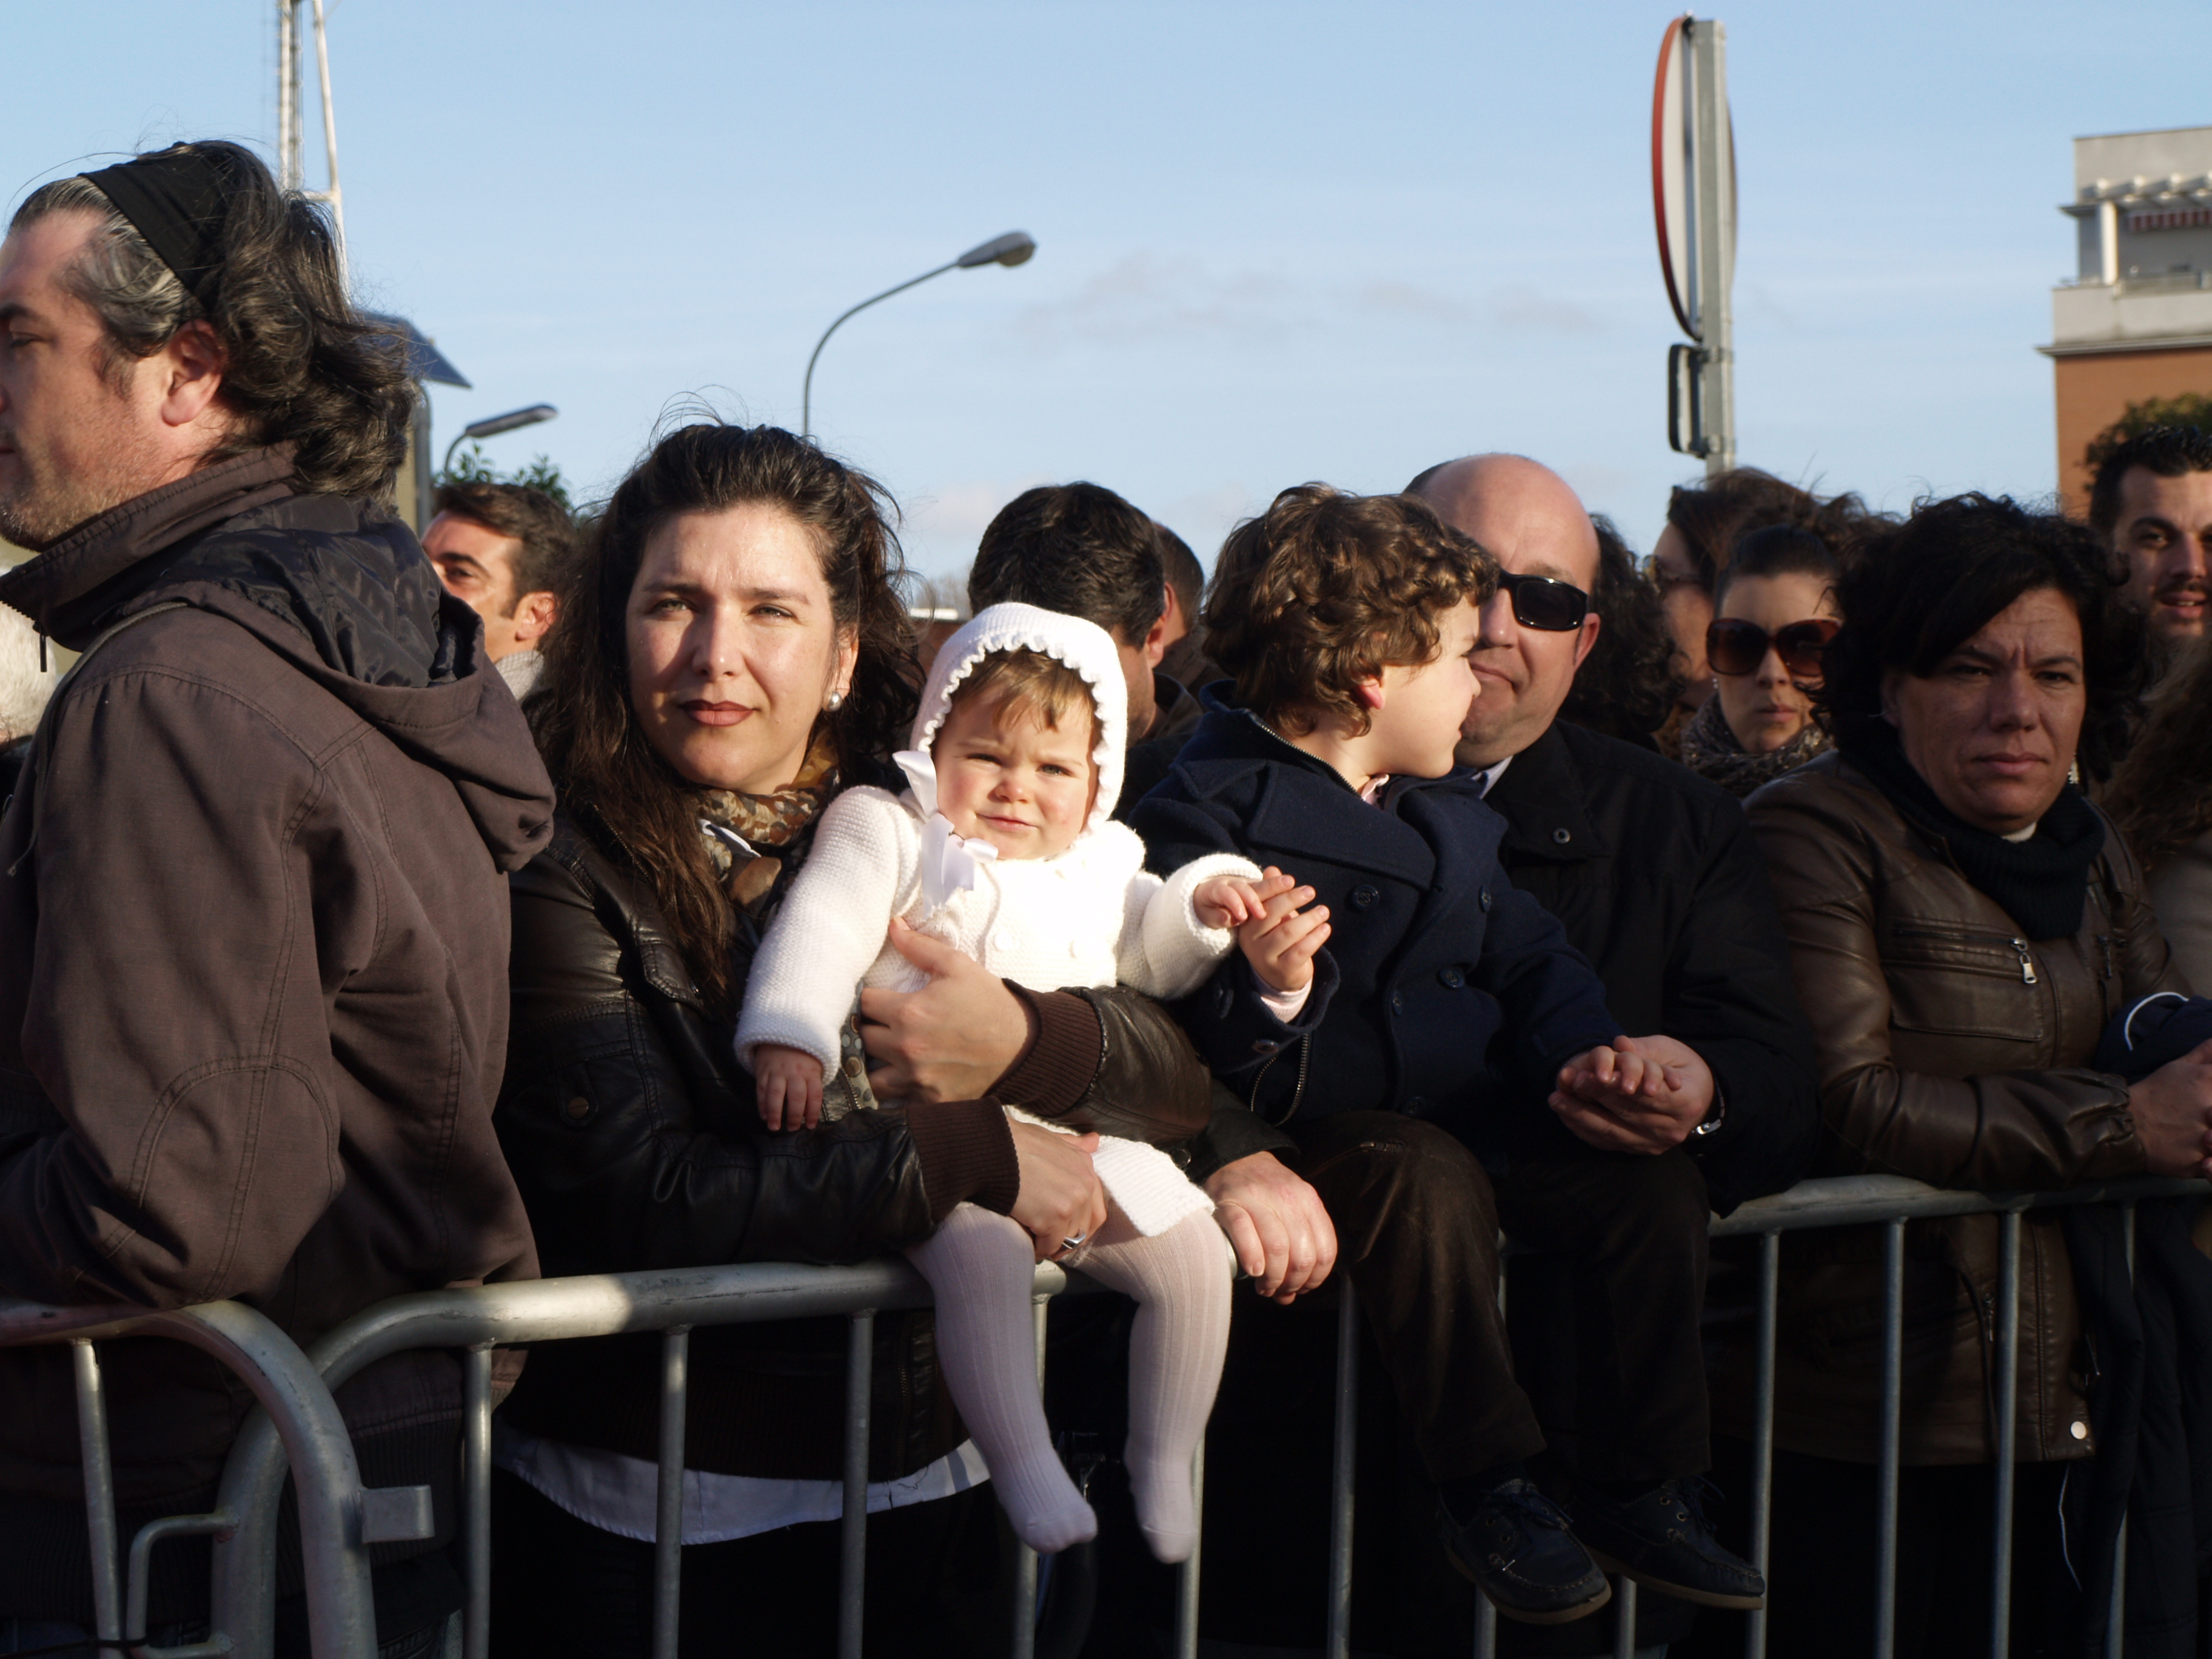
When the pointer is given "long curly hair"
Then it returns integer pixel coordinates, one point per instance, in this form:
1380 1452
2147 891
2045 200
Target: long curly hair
2162 794
1917 593
1632 676
301 365
585 727
1325 587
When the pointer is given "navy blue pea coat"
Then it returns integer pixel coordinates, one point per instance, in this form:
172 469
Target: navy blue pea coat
1443 990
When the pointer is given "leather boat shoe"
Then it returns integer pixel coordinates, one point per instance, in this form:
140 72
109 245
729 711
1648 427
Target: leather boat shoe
1663 1541
1516 1546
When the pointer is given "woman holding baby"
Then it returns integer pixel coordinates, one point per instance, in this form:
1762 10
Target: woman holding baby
736 657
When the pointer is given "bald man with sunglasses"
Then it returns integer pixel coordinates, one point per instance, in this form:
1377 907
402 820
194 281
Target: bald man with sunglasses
1653 875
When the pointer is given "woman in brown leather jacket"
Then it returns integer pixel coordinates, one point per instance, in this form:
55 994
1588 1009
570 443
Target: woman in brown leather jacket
1963 923
733 654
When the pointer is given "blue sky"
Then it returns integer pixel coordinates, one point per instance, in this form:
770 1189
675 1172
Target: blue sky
1276 241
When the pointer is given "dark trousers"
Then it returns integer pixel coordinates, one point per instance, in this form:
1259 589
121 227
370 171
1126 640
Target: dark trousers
562 1588
1821 1566
1417 1219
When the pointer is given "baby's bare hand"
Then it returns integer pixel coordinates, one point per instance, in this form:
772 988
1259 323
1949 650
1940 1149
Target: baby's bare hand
787 1085
1282 941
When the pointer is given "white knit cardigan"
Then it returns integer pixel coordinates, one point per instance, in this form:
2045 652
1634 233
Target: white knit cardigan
1091 916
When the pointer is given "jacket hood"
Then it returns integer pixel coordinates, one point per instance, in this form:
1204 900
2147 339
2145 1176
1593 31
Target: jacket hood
1084 647
338 588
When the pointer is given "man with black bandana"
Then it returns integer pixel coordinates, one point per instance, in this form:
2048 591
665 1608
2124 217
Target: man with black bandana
253 923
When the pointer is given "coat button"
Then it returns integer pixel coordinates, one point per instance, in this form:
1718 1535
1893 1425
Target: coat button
1563 836
1002 940
1364 898
1264 1046
1075 947
1418 1106
1397 1002
1452 978
2079 1430
578 1109
1483 898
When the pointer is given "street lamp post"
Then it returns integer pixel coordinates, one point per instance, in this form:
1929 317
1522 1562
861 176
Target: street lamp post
1013 248
492 425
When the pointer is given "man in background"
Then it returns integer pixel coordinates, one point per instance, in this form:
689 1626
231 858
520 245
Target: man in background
1082 551
2152 502
504 552
1185 661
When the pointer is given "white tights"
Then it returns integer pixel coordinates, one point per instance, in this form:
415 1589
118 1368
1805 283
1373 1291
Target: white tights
979 1263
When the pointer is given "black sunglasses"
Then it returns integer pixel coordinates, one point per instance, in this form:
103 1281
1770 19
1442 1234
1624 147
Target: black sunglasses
1734 646
1545 604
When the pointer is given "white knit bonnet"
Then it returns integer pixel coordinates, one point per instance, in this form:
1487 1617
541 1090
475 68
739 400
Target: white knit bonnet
1084 647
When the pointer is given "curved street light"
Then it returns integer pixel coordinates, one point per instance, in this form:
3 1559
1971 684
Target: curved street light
492 425
1013 248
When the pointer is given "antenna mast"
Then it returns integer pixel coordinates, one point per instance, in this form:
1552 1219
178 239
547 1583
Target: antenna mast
291 137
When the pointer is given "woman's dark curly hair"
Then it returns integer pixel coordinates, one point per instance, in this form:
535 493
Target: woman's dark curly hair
1325 588
1630 680
1713 516
2162 794
301 365
600 760
1915 595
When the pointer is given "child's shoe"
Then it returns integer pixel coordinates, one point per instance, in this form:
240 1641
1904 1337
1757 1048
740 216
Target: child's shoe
1663 1541
1514 1542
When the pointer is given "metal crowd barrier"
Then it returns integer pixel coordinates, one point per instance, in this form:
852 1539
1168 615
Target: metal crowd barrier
299 1427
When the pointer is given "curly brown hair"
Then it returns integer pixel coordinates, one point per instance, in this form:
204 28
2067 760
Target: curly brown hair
585 725
2162 794
1325 589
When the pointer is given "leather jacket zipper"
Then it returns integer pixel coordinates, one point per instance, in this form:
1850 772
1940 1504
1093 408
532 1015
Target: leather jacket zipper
2019 945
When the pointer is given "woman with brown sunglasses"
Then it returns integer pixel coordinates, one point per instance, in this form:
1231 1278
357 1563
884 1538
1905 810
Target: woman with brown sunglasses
1774 613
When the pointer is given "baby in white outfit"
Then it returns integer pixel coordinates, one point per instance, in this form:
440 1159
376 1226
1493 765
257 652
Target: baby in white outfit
1003 848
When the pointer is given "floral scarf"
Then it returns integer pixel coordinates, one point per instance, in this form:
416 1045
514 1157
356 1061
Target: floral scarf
740 829
1710 748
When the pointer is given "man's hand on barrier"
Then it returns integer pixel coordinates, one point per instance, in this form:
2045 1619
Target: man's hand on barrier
952 1039
2173 1110
1642 1095
1060 1198
1282 1236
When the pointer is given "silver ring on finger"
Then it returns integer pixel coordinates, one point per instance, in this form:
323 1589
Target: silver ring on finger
1074 1244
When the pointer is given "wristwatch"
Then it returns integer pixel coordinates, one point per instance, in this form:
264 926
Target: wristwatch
1715 1118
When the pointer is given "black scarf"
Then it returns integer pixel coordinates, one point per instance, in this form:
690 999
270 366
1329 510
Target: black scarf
2041 883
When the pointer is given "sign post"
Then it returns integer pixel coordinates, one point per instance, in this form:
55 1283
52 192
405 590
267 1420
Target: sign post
1693 203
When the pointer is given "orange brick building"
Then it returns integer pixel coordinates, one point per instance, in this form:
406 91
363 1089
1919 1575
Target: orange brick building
2136 321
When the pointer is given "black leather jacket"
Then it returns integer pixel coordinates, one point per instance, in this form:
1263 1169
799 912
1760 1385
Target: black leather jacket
633 1133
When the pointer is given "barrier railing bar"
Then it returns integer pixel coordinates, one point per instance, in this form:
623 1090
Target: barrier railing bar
2116 1614
668 1494
1186 1630
1025 1560
2007 1358
99 1498
1762 1434
548 1310
305 1427
1624 1617
853 1524
476 1499
141 1573
1341 1470
1893 1395
1486 1627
